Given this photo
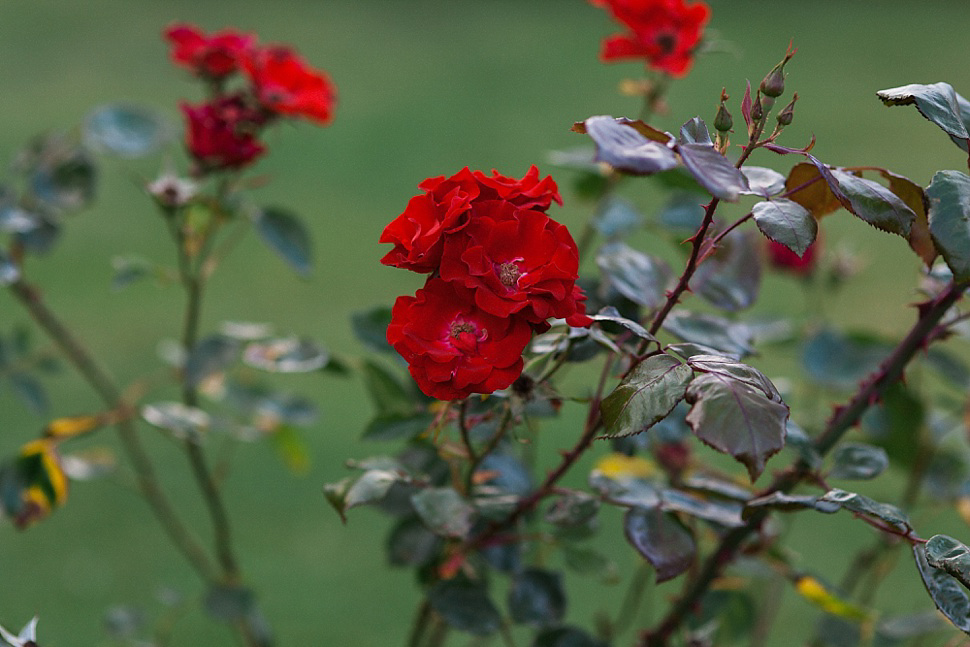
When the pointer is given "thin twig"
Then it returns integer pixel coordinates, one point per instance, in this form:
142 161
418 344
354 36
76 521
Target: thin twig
845 417
104 385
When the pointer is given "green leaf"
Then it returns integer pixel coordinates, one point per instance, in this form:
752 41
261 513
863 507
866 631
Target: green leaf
683 212
950 367
661 539
787 503
764 182
286 355
29 391
412 544
920 240
786 222
895 424
229 603
950 555
444 511
722 513
573 508
292 449
736 418
566 637
713 171
841 361
610 313
894 630
713 331
370 327
465 606
125 130
733 613
937 102
945 590
625 149
537 598
731 278
616 217
695 132
588 562
397 426
285 234
210 356
735 370
129 269
875 204
387 393
61 175
369 487
863 505
949 218
646 396
859 461
639 277
9 271
16 220
178 419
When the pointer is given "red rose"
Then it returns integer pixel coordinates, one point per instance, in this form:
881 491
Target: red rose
452 347
518 262
785 259
663 32
284 84
215 56
529 192
222 133
446 207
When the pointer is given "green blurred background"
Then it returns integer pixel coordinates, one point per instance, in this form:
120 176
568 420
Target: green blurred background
425 88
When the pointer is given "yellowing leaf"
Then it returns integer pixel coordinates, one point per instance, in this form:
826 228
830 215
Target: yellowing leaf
621 466
73 425
816 593
41 481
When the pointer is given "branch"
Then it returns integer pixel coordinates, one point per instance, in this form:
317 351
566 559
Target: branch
104 385
924 331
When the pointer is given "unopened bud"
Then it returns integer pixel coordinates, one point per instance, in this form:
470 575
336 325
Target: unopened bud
788 112
757 111
773 85
723 122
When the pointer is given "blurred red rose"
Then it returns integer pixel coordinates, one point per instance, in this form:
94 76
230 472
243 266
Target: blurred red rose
452 347
215 56
785 259
446 207
284 84
518 262
663 32
221 134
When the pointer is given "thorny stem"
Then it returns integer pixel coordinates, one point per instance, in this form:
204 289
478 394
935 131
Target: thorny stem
925 330
683 284
104 385
193 284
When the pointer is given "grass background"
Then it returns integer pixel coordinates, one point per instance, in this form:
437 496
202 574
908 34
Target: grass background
426 87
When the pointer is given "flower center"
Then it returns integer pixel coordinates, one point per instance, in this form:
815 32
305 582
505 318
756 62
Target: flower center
458 327
465 336
508 274
666 41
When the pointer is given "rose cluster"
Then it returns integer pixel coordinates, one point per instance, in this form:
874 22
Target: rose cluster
664 33
499 267
223 132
